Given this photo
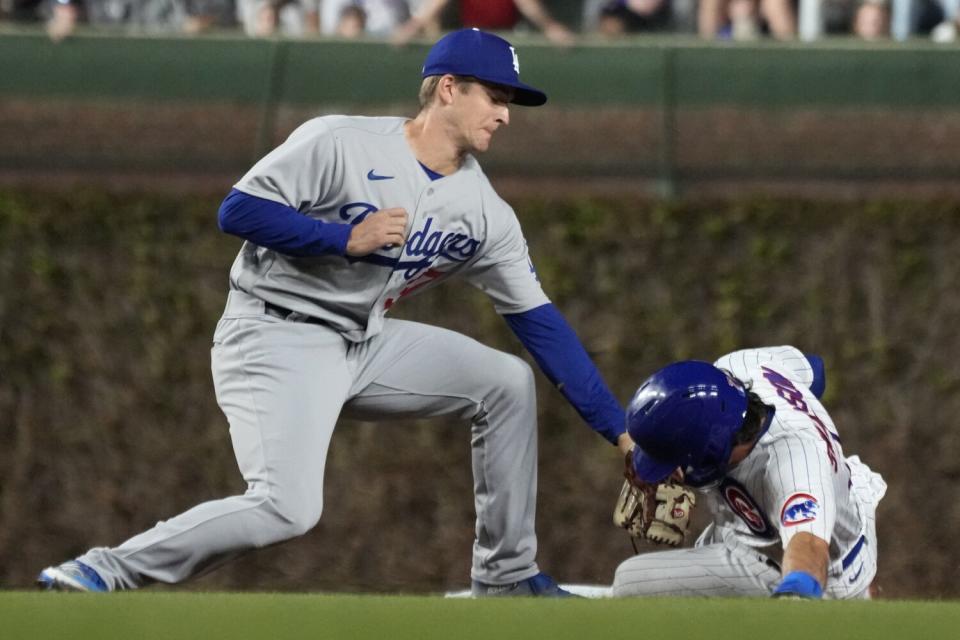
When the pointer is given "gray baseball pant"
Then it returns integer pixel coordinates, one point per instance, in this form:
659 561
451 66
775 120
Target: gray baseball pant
282 386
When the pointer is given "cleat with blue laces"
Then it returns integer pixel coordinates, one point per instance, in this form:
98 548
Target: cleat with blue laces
71 576
538 585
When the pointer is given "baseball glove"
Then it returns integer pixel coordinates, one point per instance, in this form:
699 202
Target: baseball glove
656 512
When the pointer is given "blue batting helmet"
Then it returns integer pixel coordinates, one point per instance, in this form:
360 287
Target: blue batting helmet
686 415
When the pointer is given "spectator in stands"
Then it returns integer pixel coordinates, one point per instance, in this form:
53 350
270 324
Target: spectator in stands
865 19
355 18
938 18
202 15
872 20
189 16
21 10
350 23
745 19
490 15
947 30
263 18
64 17
619 17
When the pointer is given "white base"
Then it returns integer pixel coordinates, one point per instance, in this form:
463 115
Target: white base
584 590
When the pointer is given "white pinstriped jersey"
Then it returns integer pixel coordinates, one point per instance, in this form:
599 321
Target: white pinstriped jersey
796 478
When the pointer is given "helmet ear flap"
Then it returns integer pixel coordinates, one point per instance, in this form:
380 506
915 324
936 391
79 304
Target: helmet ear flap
713 463
756 418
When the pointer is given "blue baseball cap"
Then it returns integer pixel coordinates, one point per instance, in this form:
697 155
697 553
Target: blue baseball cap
484 56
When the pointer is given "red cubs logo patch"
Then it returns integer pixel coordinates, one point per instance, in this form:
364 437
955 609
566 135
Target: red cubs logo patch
746 508
799 508
743 506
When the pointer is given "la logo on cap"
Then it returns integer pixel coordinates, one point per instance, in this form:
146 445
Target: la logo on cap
482 56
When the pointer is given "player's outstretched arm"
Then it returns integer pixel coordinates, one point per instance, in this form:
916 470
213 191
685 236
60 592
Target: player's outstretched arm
384 228
556 348
805 563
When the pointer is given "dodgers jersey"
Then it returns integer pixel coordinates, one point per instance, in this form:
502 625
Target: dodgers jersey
796 478
339 169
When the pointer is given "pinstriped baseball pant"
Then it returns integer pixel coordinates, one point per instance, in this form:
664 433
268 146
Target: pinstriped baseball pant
282 386
709 570
716 569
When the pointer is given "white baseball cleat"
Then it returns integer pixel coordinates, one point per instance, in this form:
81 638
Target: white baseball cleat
71 576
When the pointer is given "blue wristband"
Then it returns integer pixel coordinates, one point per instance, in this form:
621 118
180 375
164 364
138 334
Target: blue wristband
799 583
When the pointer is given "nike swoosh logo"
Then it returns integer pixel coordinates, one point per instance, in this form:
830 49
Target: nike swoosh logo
854 577
372 176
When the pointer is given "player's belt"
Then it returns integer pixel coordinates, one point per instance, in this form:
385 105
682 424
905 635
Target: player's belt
283 313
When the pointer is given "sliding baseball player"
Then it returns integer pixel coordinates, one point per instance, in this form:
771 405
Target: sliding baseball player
793 516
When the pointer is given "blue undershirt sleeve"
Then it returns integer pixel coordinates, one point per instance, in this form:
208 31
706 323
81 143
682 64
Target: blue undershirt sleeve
551 341
819 384
284 229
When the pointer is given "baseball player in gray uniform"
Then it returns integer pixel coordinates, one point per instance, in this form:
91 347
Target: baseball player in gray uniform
341 222
792 516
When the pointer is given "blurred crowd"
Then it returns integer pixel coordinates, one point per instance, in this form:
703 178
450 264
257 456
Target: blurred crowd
402 20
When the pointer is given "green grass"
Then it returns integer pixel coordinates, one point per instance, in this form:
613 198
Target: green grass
214 616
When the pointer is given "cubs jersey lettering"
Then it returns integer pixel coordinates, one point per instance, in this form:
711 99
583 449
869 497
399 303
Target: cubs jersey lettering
342 168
